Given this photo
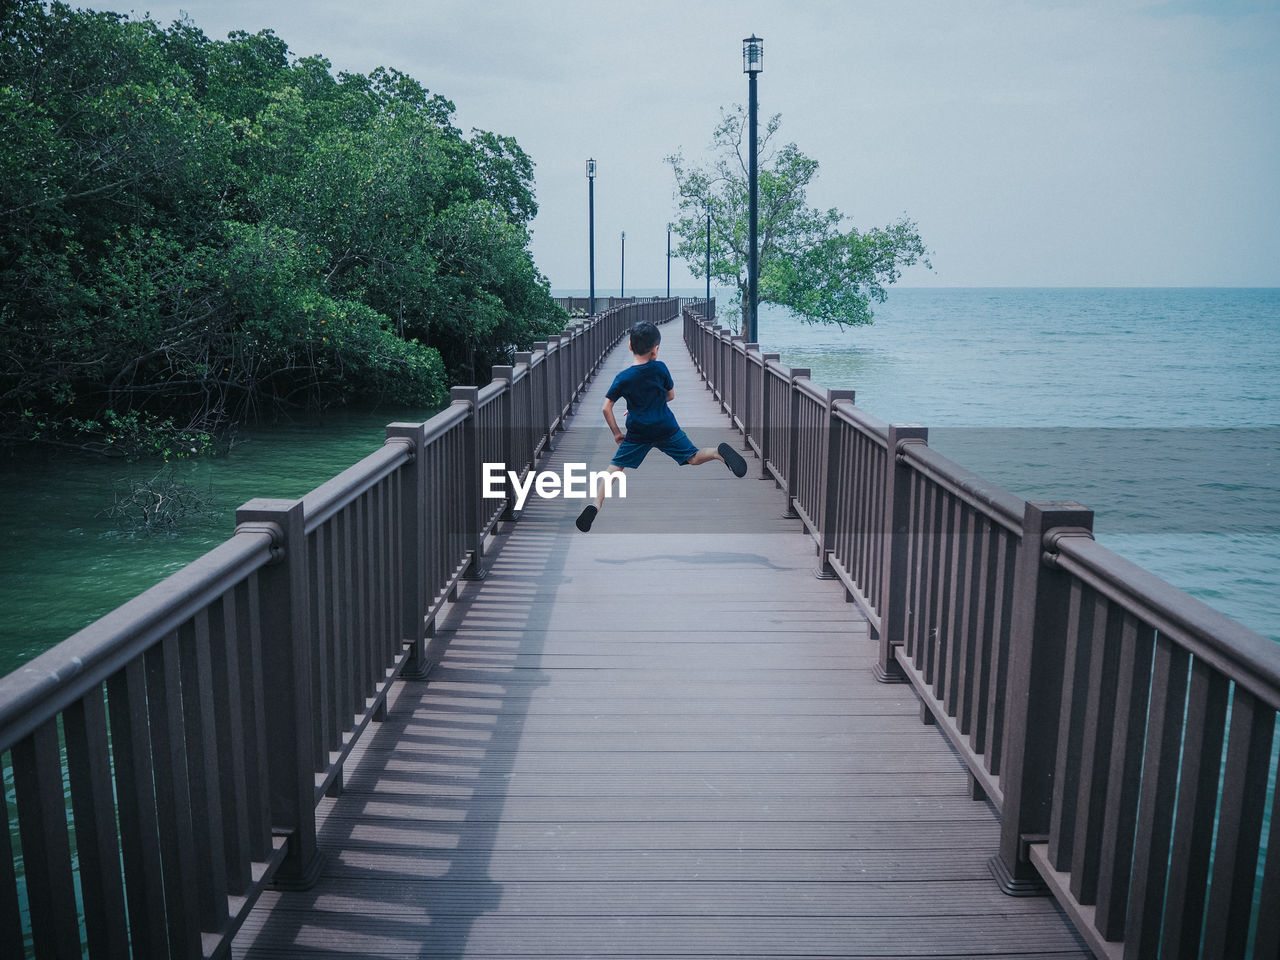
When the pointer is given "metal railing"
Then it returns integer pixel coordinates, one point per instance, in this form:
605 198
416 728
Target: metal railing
1123 731
582 305
167 760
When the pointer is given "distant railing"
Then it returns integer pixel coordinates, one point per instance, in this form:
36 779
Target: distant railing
581 306
167 760
1124 731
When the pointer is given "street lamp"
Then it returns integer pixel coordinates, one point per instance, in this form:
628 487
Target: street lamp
668 261
622 289
706 310
591 232
752 64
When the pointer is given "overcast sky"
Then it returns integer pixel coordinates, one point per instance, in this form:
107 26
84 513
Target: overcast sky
1075 142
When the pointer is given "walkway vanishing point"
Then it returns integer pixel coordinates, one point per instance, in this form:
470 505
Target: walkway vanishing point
390 720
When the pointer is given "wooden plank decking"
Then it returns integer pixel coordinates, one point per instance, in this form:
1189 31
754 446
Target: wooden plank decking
659 739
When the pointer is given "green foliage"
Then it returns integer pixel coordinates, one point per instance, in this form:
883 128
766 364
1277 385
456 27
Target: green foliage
203 231
807 263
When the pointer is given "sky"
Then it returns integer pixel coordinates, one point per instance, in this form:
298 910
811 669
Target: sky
1034 142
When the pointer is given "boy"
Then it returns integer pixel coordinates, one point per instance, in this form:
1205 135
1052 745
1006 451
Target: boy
647 387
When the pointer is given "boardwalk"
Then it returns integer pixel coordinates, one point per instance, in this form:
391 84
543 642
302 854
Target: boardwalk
661 739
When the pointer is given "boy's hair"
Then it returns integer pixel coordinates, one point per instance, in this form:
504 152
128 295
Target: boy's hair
644 337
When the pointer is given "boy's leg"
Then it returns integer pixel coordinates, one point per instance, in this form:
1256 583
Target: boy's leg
602 485
588 514
725 454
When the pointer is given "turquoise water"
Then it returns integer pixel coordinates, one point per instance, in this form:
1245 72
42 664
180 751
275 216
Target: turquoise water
65 564
1157 408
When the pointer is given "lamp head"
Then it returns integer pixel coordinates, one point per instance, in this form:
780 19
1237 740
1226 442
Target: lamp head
752 54
591 169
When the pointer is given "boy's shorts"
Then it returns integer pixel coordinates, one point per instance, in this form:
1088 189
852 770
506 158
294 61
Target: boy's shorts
677 446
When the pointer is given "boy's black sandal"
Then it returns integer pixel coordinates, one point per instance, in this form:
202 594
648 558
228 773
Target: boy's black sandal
733 459
586 517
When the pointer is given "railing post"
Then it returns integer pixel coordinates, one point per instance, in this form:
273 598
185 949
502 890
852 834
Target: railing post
793 439
555 384
831 491
284 586
525 411
717 377
413 546
732 347
766 414
748 394
544 375
507 376
471 484
896 531
1033 696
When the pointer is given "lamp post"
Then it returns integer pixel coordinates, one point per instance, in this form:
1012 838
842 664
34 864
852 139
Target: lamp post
622 289
591 232
668 261
707 308
752 64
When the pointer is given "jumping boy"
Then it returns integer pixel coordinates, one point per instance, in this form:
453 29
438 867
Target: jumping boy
648 388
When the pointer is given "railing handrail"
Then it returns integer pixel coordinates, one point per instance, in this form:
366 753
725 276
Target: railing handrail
1244 656
338 492
41 688
996 502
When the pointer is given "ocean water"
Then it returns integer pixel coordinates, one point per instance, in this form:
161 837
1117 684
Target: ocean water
1157 408
66 563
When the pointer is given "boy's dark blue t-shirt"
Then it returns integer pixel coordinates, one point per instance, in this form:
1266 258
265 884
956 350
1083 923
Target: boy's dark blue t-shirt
644 386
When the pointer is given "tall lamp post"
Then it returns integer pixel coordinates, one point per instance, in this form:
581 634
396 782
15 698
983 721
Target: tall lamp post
591 232
707 307
668 261
752 64
622 290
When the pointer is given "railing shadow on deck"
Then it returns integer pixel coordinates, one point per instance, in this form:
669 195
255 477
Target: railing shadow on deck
167 760
1124 731
416 842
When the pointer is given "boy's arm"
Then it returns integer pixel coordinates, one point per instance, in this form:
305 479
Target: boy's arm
671 394
609 419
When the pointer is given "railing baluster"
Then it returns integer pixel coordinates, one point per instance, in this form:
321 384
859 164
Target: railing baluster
1082 608
46 847
1266 941
199 724
11 938
1095 757
173 805
229 734
1153 840
1133 682
136 801
93 806
1193 821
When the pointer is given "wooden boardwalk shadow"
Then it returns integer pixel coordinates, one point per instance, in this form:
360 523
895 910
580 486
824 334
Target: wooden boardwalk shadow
659 739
